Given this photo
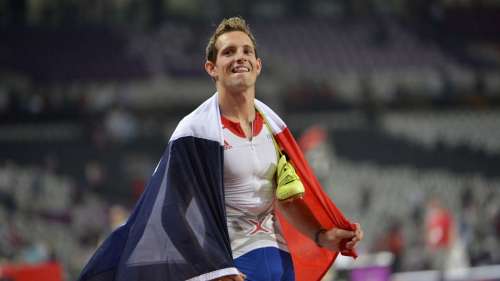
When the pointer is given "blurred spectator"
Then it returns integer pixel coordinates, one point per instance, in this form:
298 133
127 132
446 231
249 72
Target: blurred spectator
468 219
439 232
366 198
417 200
393 241
314 143
51 164
14 240
89 220
138 185
117 216
35 252
95 176
121 125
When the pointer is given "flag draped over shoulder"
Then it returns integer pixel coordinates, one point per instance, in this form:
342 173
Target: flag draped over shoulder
310 261
178 231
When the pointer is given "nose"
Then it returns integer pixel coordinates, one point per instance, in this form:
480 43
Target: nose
240 56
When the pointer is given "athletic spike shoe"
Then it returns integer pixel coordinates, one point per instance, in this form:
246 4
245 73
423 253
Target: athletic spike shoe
288 182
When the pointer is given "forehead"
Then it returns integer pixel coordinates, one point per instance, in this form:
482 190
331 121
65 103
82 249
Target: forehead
233 38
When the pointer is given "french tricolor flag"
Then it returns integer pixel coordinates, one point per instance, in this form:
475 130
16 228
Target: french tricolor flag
177 230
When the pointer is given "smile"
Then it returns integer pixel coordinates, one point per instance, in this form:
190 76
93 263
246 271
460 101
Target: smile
240 69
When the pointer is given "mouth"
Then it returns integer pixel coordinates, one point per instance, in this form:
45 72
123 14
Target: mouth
240 69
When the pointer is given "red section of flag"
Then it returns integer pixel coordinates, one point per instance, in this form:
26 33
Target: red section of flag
310 261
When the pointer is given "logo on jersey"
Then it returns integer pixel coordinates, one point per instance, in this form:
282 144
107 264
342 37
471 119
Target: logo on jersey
227 145
258 226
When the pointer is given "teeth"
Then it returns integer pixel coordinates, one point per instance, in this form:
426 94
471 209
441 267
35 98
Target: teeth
240 69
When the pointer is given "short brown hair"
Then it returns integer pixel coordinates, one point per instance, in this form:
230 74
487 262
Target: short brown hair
228 25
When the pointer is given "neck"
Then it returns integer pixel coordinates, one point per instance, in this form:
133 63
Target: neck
237 106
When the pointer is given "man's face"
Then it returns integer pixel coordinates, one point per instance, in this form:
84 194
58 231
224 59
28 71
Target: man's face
236 67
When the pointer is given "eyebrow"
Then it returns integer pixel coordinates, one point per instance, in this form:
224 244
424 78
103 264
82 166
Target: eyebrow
233 46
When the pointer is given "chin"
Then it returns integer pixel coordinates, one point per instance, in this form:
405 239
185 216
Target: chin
239 85
237 88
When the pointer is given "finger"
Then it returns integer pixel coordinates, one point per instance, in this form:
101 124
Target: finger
343 234
357 227
351 244
353 241
360 235
358 231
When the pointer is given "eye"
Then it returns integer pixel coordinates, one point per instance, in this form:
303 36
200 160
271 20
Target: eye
227 52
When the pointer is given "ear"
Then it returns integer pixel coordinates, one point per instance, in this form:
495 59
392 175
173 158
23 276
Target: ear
258 66
210 69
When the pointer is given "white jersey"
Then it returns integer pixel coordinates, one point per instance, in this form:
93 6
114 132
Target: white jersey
249 186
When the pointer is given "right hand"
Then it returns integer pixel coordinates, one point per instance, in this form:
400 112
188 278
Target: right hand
332 238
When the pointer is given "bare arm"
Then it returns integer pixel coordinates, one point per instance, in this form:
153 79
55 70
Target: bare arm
301 217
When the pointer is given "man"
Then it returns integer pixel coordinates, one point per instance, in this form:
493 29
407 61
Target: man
209 211
439 233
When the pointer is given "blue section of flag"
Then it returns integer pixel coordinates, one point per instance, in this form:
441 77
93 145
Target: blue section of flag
178 228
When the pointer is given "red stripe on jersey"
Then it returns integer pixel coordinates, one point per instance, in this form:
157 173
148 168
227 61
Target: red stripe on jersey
236 129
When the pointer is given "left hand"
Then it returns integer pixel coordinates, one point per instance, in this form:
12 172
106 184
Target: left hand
332 238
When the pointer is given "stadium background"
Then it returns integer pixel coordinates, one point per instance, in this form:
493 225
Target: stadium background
396 103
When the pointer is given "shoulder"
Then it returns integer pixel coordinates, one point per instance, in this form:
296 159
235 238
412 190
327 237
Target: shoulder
203 122
273 119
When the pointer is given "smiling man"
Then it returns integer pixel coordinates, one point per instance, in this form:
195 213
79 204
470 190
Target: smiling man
209 211
258 243
233 63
